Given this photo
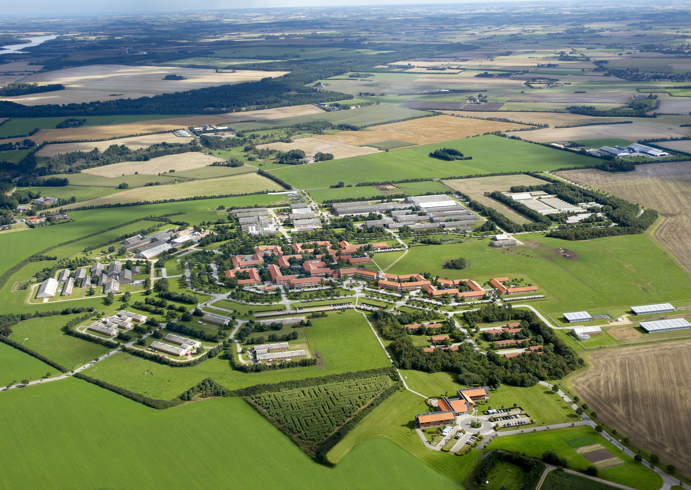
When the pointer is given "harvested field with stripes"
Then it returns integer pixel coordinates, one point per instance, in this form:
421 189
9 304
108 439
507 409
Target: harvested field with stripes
644 393
133 143
313 145
155 166
665 187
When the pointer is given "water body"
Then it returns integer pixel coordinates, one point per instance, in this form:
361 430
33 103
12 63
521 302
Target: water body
18 48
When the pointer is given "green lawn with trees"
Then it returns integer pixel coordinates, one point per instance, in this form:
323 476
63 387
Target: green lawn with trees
16 366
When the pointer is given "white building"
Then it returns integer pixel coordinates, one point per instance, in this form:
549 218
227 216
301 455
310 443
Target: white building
578 316
647 150
584 333
281 356
103 329
665 325
183 342
653 309
171 349
47 289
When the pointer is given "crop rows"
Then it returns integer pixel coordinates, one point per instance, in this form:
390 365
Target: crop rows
312 413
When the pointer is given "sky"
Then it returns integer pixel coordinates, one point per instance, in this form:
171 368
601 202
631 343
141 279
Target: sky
66 8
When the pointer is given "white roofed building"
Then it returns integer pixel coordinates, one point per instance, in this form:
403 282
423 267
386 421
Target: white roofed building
47 289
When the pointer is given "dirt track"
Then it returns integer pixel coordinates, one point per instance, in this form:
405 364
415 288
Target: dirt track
645 392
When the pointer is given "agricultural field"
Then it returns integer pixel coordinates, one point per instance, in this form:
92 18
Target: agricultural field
310 414
505 475
534 444
313 145
155 166
133 143
664 187
83 179
206 433
616 272
557 480
624 388
344 341
422 131
16 366
684 146
475 188
490 154
237 184
100 82
44 336
631 132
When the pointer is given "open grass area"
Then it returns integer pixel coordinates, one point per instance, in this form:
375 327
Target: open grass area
614 272
385 259
490 154
44 336
505 475
16 366
75 444
344 341
80 192
534 444
543 405
394 420
560 480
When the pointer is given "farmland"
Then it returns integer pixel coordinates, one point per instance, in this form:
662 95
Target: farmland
238 184
132 143
16 366
313 145
422 131
414 163
664 187
98 82
168 163
476 188
365 192
636 131
206 433
624 388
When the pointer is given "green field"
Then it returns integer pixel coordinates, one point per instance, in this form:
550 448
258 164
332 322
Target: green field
385 259
365 116
133 180
84 437
24 125
615 272
344 341
559 480
394 420
15 366
81 192
367 192
13 156
45 337
534 444
505 475
490 154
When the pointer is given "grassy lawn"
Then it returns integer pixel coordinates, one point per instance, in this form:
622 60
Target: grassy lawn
344 341
431 384
209 434
534 444
543 405
44 336
505 475
242 310
385 259
394 420
610 273
15 366
490 154
82 193
560 480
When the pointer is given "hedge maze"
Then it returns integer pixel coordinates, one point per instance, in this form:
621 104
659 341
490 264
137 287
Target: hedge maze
309 415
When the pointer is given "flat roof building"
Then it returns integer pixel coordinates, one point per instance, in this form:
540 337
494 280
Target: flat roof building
215 319
171 349
584 333
653 309
666 325
103 329
281 356
578 316
183 341
47 289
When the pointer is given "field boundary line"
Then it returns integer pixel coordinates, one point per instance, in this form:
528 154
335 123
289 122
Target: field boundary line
650 232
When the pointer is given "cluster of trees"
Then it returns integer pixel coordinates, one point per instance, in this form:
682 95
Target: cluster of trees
14 89
71 123
207 388
199 333
448 154
273 338
37 182
144 400
26 143
457 264
291 157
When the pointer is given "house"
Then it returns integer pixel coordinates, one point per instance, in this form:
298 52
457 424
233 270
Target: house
647 150
276 347
438 339
112 286
475 394
114 269
584 333
64 275
498 283
45 201
97 269
436 419
653 309
22 209
430 202
253 276
47 289
134 317
149 251
241 261
181 351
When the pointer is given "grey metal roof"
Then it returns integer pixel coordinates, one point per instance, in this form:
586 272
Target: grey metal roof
641 310
663 325
577 315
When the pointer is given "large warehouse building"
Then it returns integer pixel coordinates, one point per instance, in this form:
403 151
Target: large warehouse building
665 325
578 316
47 289
653 309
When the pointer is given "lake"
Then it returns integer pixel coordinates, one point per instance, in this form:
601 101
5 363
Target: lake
17 48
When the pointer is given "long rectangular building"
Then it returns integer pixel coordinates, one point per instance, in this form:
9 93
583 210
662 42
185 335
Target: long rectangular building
653 309
170 349
103 329
666 325
281 356
578 316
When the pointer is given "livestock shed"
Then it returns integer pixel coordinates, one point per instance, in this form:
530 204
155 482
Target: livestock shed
665 325
653 309
584 333
47 289
218 320
578 316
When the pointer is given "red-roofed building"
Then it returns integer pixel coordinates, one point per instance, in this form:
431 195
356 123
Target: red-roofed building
428 350
240 261
306 282
413 326
438 339
498 284
268 249
359 260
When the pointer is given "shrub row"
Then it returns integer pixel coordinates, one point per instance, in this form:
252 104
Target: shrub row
33 353
145 400
160 359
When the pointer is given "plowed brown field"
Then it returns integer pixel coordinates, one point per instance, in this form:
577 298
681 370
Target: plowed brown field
645 392
422 131
665 187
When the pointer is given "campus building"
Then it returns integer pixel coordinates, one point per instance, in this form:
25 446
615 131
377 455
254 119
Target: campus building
183 350
653 309
47 289
670 325
499 284
578 317
584 333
